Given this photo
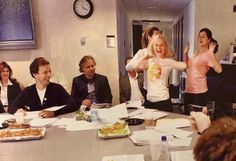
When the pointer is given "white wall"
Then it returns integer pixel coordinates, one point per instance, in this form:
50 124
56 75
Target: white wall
219 17
58 33
122 36
189 26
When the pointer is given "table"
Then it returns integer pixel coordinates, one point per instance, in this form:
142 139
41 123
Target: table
60 145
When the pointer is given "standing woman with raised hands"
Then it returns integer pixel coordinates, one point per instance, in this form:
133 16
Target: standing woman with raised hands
197 68
9 87
158 65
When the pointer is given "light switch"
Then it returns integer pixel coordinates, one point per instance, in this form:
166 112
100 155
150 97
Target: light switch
83 41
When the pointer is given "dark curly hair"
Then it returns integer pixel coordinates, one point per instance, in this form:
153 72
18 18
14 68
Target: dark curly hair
218 142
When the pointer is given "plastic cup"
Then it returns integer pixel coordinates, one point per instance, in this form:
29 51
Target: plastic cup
149 122
19 116
155 149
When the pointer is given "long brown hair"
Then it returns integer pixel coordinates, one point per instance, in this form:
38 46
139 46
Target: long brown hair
149 32
5 65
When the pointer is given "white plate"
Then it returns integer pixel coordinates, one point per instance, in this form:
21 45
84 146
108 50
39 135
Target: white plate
121 133
20 138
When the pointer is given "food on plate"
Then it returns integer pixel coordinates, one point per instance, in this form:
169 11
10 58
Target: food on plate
21 133
18 125
79 115
12 124
116 128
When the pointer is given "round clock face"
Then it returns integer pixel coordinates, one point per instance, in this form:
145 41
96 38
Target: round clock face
83 8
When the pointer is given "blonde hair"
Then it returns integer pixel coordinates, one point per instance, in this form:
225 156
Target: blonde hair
168 53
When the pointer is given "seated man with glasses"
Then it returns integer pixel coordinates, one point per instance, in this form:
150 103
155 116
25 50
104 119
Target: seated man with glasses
90 87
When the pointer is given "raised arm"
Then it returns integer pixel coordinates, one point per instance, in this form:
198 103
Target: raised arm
176 64
186 50
216 65
139 64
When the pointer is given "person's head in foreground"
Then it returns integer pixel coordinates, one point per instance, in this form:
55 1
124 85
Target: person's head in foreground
217 142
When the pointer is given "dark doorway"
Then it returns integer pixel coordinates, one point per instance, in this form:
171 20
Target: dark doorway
137 35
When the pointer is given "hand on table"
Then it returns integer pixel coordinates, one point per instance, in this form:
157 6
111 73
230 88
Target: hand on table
47 114
199 120
87 102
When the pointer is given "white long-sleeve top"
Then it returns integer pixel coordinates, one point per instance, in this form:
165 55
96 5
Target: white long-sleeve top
157 74
134 62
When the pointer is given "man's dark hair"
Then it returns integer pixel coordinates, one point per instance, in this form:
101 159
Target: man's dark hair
34 66
83 60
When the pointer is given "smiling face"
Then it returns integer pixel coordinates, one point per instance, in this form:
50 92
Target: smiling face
5 74
159 47
43 76
203 40
89 68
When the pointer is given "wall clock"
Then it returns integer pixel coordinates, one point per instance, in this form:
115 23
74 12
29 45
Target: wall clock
83 8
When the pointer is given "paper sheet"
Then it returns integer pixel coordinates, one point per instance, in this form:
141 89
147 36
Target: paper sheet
55 108
4 117
113 113
137 104
143 137
141 113
175 132
81 125
186 155
32 115
64 122
175 123
42 122
182 142
130 157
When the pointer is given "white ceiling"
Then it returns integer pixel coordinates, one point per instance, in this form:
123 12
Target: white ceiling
164 10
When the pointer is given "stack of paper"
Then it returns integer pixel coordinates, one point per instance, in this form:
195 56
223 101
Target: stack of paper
111 115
